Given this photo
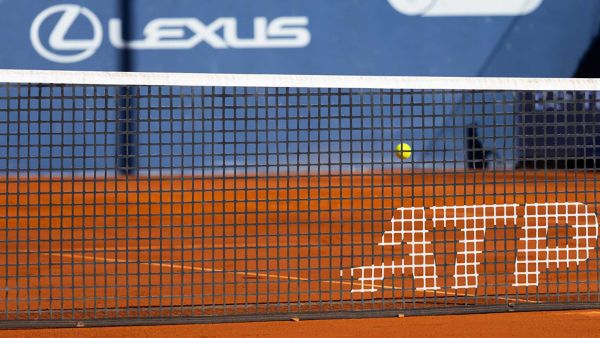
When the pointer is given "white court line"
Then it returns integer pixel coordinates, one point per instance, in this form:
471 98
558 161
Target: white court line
255 274
176 266
201 269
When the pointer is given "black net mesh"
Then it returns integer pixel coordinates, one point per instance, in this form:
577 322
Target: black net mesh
174 203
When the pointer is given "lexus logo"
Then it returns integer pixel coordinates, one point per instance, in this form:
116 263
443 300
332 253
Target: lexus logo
59 48
465 7
163 33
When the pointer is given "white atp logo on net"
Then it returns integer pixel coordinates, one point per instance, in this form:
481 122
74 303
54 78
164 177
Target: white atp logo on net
465 7
533 253
162 33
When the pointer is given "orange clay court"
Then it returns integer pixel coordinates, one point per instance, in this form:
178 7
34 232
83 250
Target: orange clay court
130 248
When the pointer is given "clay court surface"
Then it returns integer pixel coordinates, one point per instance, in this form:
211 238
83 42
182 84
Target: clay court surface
525 324
99 247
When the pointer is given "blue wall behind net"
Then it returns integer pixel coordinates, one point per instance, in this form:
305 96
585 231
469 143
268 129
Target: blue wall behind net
221 131
346 37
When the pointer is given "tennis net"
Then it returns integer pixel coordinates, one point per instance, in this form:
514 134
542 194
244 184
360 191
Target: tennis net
167 198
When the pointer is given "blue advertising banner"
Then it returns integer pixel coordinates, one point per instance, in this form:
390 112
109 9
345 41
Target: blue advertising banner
391 37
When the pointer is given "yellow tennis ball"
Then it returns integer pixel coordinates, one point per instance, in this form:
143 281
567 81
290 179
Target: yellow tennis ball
403 151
